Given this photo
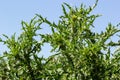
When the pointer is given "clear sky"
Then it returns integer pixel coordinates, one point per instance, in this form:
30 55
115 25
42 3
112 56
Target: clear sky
13 11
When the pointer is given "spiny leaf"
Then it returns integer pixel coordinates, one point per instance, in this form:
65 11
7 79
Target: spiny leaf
24 25
48 22
64 11
1 40
52 29
95 4
32 21
41 18
5 36
108 54
68 6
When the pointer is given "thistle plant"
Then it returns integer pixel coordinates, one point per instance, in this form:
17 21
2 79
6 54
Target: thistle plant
80 53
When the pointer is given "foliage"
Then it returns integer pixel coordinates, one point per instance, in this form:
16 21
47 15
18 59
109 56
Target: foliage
80 53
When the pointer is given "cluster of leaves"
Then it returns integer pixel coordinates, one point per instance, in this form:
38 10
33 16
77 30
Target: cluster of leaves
80 53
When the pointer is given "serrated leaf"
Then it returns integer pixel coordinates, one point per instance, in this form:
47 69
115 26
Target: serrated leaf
64 11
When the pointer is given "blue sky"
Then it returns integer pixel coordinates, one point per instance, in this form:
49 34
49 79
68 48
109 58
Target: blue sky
13 11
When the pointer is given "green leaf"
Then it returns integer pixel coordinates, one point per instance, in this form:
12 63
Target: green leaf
64 11
5 36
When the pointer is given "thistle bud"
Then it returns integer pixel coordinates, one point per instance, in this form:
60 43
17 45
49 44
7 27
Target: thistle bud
74 17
